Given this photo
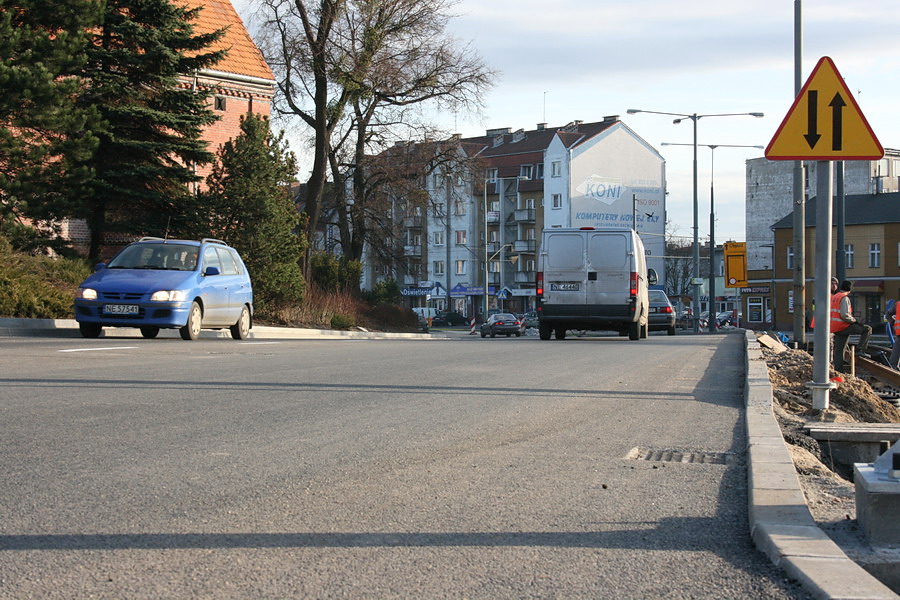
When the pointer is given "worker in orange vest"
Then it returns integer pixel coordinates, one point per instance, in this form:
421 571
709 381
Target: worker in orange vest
834 289
844 324
894 321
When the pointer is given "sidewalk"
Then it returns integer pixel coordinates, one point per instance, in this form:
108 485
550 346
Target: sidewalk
69 328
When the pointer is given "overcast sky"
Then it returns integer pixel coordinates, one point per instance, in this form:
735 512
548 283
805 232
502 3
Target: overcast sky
586 59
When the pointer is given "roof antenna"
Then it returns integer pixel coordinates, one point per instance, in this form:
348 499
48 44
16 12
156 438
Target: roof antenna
168 222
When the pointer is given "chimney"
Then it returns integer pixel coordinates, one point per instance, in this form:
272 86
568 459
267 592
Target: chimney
541 126
609 118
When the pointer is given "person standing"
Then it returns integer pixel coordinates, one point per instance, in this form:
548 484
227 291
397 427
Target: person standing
844 324
892 315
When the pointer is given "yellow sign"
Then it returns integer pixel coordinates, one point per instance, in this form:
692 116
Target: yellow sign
735 264
824 123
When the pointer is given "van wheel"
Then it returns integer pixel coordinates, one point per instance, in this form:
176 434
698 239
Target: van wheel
544 331
560 333
634 331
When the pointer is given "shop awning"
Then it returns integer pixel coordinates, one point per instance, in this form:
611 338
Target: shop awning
868 286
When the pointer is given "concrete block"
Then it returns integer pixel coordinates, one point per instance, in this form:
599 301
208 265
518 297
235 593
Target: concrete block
877 505
835 578
786 507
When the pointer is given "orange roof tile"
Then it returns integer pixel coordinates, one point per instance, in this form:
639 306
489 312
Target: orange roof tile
243 58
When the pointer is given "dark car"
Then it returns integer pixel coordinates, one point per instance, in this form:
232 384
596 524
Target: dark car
503 324
155 284
449 319
662 315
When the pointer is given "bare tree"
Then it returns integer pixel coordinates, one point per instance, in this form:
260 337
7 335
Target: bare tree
357 72
679 264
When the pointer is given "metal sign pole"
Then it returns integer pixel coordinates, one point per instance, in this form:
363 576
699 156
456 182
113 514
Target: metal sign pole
821 385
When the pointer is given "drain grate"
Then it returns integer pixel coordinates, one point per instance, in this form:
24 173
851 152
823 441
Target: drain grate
680 456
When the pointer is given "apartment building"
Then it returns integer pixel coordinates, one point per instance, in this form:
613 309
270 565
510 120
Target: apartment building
476 243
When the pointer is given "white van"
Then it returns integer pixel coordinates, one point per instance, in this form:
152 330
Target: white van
593 279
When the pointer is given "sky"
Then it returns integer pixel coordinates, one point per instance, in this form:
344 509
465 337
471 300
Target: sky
587 59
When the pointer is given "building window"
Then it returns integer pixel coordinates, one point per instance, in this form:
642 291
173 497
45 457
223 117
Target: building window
460 267
556 201
438 209
438 267
490 174
495 266
438 238
220 103
875 255
494 236
539 171
459 208
530 265
528 203
461 237
790 258
848 256
529 234
755 309
525 171
555 169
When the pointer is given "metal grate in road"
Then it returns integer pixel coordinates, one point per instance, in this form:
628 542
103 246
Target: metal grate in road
680 456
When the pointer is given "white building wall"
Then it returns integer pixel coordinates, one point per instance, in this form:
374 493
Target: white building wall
614 180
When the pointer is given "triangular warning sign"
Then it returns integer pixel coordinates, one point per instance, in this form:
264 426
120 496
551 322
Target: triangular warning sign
824 123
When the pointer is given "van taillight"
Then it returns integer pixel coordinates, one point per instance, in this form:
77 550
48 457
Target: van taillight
539 284
634 284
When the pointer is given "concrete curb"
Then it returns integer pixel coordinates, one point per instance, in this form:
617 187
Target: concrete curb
69 328
780 522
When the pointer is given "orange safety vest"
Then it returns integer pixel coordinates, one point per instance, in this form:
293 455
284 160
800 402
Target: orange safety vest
837 323
897 320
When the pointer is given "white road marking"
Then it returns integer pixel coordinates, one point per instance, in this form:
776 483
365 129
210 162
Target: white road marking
98 349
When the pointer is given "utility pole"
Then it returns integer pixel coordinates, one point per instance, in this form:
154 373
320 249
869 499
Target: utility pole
799 221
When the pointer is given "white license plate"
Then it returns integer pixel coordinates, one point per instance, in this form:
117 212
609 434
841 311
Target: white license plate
654 309
121 309
564 287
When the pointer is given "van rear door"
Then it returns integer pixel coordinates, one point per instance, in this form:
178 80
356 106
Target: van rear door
564 268
609 268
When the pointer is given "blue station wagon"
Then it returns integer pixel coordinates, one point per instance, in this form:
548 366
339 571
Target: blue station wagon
158 284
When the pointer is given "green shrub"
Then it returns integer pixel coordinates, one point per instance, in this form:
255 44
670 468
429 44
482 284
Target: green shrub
392 316
38 287
342 321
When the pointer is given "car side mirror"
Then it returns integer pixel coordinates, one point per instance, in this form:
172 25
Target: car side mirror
211 271
652 277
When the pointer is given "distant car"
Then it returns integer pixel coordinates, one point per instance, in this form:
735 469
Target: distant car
501 323
155 284
449 319
726 318
662 315
531 319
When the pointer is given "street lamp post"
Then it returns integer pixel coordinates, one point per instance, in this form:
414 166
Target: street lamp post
712 223
695 301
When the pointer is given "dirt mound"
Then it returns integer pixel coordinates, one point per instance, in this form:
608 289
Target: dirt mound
852 400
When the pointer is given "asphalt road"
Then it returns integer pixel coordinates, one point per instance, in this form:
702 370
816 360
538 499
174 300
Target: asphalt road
461 468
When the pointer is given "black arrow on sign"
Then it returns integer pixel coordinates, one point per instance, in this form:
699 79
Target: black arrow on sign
812 101
837 104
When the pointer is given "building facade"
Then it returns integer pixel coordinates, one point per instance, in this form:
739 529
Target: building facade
475 245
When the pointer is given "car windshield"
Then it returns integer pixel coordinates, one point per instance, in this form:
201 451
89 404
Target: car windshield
162 256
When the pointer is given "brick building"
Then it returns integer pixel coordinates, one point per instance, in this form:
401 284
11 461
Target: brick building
239 84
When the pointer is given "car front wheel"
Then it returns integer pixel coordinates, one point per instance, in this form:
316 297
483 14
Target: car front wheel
241 329
90 330
191 331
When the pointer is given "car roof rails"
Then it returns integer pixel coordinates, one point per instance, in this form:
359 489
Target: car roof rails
148 238
212 241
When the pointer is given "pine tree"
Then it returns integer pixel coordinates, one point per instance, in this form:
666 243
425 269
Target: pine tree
249 201
150 135
42 135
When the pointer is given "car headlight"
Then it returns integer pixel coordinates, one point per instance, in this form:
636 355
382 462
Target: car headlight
86 294
168 296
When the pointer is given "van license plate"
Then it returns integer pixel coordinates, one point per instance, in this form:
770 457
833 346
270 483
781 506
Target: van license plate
564 287
121 309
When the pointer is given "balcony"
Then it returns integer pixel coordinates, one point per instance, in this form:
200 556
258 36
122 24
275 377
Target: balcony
524 245
412 251
493 216
493 247
525 276
525 215
414 222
